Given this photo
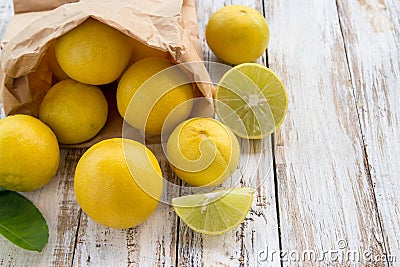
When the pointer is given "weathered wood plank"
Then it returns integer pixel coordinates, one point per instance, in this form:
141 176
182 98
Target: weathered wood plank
57 203
6 11
149 244
239 247
323 186
372 37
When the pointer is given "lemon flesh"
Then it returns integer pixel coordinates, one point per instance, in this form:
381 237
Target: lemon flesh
118 183
216 212
252 100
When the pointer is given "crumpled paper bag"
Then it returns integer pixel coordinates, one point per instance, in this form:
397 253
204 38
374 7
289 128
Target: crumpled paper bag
165 25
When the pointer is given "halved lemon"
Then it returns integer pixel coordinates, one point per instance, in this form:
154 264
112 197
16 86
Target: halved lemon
252 100
216 212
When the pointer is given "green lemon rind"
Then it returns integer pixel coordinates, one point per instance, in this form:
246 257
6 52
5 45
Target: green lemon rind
248 82
216 212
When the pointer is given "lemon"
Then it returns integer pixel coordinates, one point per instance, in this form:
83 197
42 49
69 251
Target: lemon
152 89
118 183
29 153
237 34
141 51
216 212
93 53
203 152
54 66
252 100
75 111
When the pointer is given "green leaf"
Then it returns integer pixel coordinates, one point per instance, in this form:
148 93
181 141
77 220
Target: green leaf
2 189
21 222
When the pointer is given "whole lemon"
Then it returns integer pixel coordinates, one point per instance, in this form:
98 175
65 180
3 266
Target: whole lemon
203 152
118 183
152 89
54 66
93 53
29 153
237 34
75 111
142 51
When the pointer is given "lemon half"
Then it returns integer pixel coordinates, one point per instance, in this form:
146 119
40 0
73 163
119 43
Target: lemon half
252 100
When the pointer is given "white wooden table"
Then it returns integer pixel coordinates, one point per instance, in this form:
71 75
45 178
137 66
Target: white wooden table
330 173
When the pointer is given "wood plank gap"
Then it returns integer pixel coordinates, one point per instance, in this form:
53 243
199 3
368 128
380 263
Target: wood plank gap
364 149
76 237
276 188
178 223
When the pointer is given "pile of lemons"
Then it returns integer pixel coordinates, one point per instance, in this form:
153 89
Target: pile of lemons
118 182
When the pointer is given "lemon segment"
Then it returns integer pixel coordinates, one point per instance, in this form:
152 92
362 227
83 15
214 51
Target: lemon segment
216 212
252 100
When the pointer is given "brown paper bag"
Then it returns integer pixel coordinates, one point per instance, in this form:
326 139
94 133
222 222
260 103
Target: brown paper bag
23 6
168 26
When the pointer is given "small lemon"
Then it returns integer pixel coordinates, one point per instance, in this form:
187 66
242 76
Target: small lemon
149 91
203 152
141 51
118 183
93 53
29 153
75 111
55 67
237 34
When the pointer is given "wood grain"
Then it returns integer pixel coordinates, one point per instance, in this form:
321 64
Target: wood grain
336 155
324 190
57 203
6 11
372 37
259 231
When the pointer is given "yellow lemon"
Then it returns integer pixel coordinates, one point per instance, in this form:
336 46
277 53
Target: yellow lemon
75 111
237 34
118 183
141 51
93 53
55 67
152 89
203 152
29 153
